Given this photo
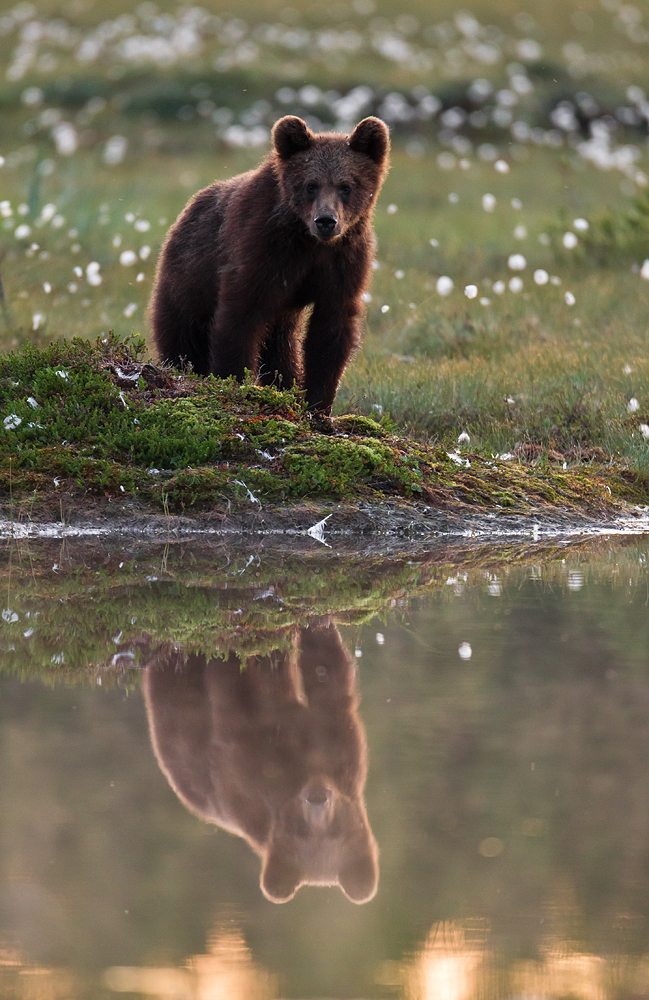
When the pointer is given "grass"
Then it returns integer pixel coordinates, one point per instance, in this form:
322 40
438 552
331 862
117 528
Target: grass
90 421
525 373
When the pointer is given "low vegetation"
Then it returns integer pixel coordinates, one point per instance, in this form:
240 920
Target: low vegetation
95 420
508 304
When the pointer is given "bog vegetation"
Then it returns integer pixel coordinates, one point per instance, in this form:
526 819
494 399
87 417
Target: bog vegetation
509 304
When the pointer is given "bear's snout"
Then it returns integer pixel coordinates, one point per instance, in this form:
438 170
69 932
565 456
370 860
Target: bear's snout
317 794
326 225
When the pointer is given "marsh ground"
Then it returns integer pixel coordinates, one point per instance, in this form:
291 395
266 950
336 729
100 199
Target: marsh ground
511 128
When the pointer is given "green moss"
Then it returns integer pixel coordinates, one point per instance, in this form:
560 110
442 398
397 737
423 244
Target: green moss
90 418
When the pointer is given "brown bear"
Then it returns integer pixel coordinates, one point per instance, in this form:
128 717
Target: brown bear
247 256
273 750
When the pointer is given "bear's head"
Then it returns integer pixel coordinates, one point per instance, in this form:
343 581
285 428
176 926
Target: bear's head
320 836
330 181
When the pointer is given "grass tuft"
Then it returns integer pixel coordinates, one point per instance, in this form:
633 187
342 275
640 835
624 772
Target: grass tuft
95 420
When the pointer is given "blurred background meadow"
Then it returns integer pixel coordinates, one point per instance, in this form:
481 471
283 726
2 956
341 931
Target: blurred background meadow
510 293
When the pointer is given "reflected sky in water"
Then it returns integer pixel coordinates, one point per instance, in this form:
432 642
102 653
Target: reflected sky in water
458 742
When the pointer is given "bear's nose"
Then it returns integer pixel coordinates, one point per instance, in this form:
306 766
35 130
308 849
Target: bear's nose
326 223
317 795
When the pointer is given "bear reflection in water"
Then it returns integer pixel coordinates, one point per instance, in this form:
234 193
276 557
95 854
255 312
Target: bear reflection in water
272 749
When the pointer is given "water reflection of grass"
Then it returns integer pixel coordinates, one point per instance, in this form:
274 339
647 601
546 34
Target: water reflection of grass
72 610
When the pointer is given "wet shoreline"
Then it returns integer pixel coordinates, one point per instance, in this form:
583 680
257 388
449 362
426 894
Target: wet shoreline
384 526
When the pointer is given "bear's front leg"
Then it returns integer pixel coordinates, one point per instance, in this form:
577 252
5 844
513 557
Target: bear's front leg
237 332
279 363
333 335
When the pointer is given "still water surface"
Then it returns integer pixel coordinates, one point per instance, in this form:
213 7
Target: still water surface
244 775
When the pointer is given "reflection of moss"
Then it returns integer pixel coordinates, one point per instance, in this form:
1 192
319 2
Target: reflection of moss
90 419
65 613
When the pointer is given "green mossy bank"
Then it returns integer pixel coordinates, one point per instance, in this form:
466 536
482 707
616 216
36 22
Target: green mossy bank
81 421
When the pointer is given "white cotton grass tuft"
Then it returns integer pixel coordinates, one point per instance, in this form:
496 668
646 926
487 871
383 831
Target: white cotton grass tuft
115 150
37 320
541 277
471 291
47 212
144 252
465 651
498 287
569 240
444 285
581 225
644 430
23 231
570 299
516 262
501 166
516 284
65 138
12 421
488 202
130 309
633 405
520 233
464 438
644 270
127 257
93 277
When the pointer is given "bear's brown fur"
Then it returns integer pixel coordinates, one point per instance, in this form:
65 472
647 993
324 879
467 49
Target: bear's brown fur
274 751
248 255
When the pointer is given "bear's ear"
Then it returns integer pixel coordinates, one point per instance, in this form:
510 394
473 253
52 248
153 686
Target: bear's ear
291 135
280 878
359 875
371 136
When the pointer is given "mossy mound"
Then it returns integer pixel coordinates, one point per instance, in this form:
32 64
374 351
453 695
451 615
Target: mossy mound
92 420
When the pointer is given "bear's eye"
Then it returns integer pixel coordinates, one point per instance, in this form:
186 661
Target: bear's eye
312 188
345 189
